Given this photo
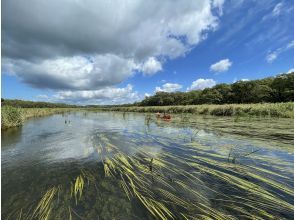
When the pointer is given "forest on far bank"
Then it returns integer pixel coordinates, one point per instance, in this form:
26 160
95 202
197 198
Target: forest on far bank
272 89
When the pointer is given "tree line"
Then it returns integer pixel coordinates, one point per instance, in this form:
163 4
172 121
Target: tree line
272 89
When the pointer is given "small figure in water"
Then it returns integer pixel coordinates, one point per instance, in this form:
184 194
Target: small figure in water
65 122
166 116
157 115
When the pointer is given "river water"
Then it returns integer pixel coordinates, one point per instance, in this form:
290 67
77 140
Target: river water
105 165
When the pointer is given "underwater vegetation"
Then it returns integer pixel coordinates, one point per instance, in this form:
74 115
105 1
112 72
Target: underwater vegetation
135 166
168 178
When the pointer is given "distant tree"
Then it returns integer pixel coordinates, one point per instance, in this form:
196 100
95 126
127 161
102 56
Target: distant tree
211 96
226 92
283 87
243 91
261 93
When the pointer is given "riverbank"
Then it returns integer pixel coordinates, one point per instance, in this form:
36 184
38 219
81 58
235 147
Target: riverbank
14 117
284 110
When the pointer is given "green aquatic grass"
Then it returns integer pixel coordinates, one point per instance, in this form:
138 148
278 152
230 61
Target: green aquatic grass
285 110
177 177
44 207
77 188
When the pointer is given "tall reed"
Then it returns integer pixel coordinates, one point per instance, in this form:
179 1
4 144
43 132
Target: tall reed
285 110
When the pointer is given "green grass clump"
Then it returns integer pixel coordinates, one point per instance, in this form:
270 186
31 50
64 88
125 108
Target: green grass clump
11 117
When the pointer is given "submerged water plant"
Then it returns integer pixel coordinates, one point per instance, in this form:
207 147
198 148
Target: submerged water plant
164 176
44 207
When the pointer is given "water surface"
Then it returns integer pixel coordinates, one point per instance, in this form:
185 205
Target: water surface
189 167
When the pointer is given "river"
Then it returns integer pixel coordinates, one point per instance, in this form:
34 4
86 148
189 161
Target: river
106 165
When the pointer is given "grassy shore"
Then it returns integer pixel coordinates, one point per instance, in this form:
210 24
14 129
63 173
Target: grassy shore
285 110
13 117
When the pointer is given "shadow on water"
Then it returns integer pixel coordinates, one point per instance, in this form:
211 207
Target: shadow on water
10 136
134 166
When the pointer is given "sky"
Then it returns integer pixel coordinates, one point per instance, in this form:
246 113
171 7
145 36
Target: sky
120 51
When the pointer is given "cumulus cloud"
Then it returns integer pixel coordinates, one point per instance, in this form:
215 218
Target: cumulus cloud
151 66
221 66
107 95
273 55
133 28
291 70
201 84
75 73
168 87
91 45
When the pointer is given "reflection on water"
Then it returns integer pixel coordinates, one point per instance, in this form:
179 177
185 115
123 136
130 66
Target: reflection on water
209 162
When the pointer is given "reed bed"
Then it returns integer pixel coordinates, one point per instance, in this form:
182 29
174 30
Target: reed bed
177 178
285 110
14 117
11 117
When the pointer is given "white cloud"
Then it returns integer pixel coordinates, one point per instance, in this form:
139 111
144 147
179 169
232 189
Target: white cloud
42 96
107 95
277 9
151 66
79 72
236 80
131 30
75 73
290 45
201 84
273 55
168 87
99 44
221 66
219 4
291 70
